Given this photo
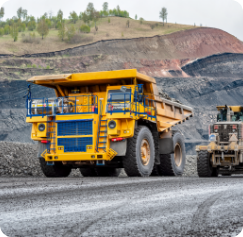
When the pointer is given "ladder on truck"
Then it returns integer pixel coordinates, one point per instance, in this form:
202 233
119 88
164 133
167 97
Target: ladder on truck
101 143
51 134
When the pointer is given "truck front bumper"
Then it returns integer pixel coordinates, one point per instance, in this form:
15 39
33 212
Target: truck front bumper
233 146
79 156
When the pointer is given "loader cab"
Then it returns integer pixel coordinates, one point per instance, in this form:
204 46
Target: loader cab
235 116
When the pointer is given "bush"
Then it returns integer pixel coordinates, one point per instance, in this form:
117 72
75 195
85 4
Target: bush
141 20
85 29
1 31
109 20
31 25
6 29
152 26
31 39
71 32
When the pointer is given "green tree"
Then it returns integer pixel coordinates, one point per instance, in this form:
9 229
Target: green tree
43 28
31 23
85 18
71 31
60 15
163 15
141 20
136 17
21 26
80 16
73 17
105 8
1 31
62 30
14 31
118 10
90 11
96 16
6 29
24 14
20 12
2 12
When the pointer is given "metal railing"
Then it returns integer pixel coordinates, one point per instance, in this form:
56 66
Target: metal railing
81 104
141 106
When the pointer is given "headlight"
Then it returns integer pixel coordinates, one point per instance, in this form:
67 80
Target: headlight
41 127
112 124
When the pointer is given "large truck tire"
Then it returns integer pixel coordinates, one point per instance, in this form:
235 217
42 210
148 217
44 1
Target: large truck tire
56 170
155 171
139 160
174 164
108 172
204 167
88 172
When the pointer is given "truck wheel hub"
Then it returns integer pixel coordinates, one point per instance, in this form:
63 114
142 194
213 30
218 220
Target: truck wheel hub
145 152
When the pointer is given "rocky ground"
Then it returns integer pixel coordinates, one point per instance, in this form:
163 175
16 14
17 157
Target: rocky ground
19 159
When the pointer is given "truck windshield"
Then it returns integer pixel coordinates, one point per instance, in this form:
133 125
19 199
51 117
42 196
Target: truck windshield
119 96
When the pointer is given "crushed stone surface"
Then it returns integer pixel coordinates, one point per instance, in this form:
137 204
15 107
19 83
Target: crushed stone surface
155 206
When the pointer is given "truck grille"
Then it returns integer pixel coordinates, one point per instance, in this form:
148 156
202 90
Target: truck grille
77 144
75 128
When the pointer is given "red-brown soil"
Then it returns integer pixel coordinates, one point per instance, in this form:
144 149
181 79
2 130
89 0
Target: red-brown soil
177 49
157 56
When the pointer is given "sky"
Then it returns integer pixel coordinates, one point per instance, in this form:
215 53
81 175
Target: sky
223 14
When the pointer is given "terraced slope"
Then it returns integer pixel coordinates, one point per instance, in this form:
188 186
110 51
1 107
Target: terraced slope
158 56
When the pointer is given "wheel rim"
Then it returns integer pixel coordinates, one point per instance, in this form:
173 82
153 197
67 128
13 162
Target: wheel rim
145 152
178 155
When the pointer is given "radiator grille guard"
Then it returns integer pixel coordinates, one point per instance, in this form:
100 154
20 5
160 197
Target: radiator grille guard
75 144
74 128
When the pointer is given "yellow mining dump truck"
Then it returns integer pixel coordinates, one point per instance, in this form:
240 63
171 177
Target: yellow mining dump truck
101 122
224 154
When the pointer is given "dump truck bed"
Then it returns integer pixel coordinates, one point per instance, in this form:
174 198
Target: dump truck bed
168 113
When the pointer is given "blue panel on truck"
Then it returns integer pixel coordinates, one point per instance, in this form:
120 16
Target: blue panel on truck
75 144
76 128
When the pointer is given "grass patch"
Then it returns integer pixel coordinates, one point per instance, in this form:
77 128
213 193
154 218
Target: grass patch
27 44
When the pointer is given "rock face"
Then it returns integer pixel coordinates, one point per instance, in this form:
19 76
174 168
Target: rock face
225 65
18 159
158 56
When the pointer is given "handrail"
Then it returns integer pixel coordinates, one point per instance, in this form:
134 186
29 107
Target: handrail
99 124
148 105
80 104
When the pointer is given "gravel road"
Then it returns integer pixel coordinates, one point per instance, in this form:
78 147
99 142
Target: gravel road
185 206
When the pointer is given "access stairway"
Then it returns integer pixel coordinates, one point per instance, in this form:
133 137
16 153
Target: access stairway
102 134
